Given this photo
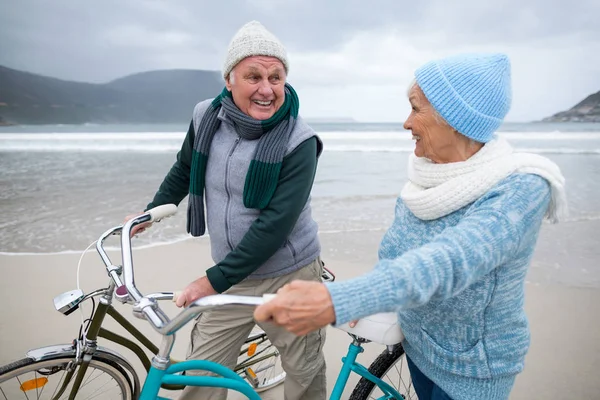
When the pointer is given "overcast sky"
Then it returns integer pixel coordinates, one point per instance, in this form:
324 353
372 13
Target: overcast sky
348 58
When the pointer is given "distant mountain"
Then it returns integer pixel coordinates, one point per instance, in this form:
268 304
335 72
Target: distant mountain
587 110
166 96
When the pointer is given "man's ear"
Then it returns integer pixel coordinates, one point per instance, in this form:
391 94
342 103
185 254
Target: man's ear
228 82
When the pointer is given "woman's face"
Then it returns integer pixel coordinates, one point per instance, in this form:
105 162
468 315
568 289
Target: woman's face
435 139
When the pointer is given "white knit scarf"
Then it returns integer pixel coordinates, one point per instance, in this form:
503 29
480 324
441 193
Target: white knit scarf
436 190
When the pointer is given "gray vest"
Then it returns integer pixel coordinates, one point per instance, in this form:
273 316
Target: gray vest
228 219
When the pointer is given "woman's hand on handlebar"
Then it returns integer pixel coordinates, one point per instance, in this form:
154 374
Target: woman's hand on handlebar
300 307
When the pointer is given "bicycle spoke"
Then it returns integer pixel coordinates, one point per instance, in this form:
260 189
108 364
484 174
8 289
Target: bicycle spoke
394 372
67 392
42 391
399 371
390 382
99 393
36 386
92 395
406 388
21 384
59 384
88 381
102 381
85 382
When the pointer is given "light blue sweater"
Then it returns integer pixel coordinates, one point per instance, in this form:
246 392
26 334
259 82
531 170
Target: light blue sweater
457 284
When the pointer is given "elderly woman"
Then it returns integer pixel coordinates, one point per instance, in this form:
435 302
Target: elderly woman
453 264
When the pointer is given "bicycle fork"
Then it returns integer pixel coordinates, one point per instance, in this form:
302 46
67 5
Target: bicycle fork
85 348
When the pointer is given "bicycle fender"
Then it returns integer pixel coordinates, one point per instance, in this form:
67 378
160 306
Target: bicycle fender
60 350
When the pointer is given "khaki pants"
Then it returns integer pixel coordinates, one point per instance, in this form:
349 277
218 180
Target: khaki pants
219 334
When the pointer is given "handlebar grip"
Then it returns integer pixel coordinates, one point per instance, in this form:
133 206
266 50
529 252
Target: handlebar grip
160 212
268 297
176 294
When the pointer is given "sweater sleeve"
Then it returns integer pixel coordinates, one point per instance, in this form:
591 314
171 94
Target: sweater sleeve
176 184
270 230
485 238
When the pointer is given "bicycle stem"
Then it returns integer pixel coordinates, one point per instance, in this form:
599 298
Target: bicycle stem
146 307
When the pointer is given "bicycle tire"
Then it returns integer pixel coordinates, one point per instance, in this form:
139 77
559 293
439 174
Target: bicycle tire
43 369
261 368
380 367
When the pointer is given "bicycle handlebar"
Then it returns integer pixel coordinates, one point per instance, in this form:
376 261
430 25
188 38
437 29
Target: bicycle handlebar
160 212
146 306
204 304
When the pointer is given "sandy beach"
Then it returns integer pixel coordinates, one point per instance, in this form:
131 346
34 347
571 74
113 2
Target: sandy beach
562 361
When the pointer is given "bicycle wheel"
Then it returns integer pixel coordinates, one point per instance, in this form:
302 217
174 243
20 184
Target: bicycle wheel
260 362
392 368
30 379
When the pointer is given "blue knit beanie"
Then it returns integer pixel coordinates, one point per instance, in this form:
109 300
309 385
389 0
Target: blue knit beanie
472 92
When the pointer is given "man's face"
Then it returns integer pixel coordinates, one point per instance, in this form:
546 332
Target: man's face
257 86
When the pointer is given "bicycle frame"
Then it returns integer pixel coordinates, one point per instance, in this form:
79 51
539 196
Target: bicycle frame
230 380
350 365
96 330
163 372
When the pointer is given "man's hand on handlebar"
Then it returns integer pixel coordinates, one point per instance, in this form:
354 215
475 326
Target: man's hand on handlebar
199 288
138 228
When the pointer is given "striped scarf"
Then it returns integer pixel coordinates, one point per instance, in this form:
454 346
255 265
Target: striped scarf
262 176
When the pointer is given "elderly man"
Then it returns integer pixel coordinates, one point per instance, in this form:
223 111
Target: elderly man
253 159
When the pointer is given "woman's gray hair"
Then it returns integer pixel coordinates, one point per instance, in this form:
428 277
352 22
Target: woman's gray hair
436 114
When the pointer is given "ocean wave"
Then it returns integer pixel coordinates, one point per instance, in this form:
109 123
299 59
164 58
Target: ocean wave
405 135
87 136
406 149
174 147
335 141
326 135
91 147
178 239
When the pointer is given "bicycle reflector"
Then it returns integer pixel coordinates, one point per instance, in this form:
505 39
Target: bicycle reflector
33 384
251 376
252 349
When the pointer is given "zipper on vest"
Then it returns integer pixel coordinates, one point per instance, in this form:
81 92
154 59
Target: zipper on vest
229 242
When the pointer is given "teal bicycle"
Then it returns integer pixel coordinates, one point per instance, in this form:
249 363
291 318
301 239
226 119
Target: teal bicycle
84 370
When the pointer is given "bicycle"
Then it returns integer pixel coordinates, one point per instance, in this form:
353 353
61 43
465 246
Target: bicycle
82 368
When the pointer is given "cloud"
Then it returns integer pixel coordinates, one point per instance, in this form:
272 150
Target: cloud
348 57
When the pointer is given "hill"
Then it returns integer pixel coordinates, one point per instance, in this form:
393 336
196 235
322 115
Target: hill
166 96
587 110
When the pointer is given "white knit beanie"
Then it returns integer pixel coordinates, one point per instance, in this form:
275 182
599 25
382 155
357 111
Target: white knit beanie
253 39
